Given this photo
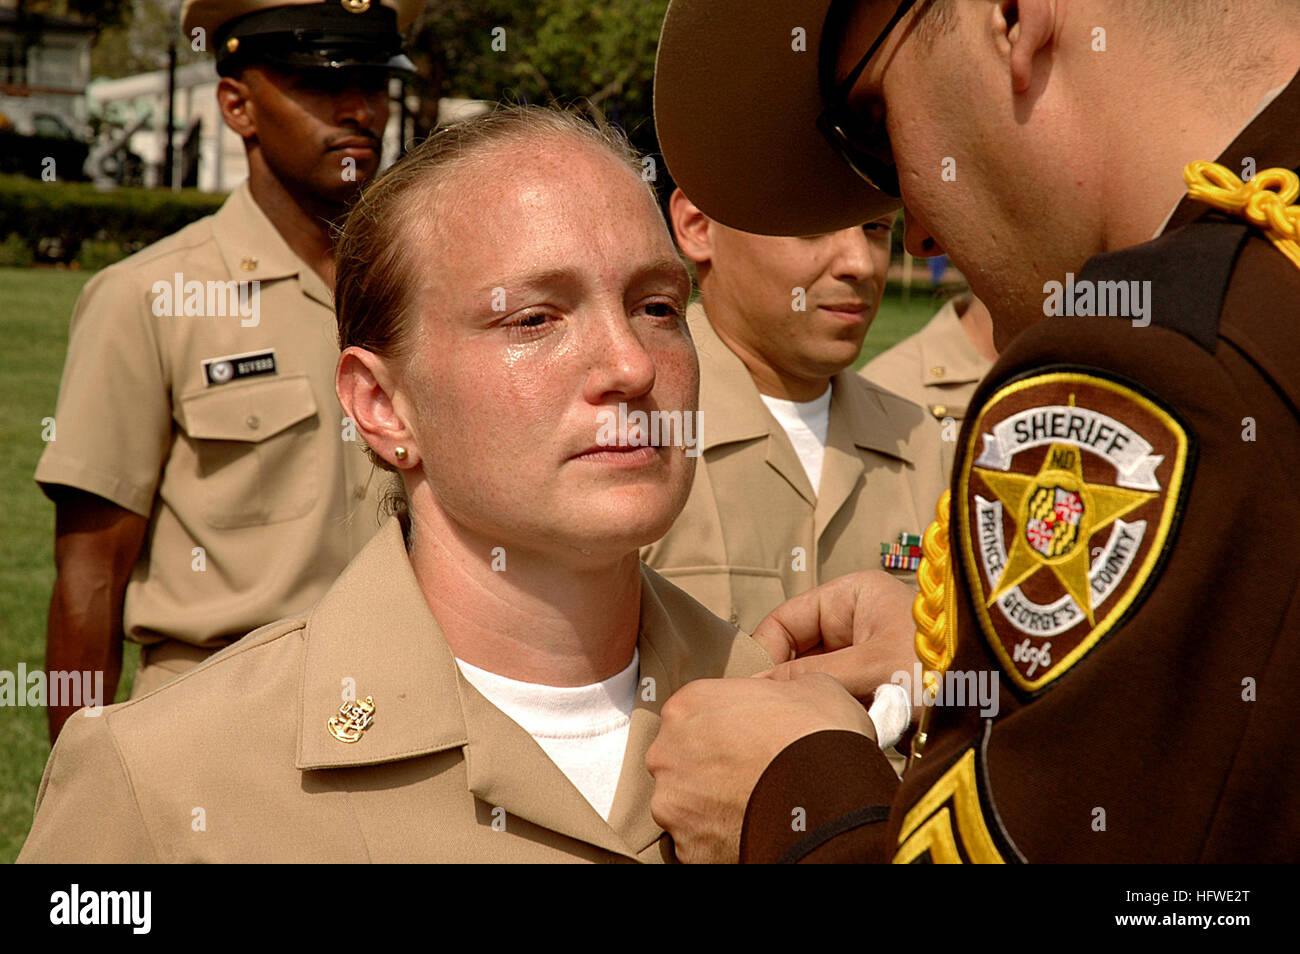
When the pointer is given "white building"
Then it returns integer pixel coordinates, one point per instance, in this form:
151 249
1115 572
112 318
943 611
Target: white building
43 78
139 102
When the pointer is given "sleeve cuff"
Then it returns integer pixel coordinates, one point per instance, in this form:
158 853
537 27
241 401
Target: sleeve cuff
113 488
825 798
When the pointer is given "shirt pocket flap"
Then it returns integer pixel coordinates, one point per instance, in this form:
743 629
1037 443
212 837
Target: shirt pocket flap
250 412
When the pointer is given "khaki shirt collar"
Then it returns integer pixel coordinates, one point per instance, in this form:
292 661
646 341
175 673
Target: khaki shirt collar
246 237
373 632
730 407
944 344
423 705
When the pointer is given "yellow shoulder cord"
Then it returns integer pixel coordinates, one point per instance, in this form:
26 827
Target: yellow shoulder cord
935 613
1267 201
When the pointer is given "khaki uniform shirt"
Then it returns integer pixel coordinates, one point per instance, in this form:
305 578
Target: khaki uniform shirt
937 368
256 496
754 533
234 762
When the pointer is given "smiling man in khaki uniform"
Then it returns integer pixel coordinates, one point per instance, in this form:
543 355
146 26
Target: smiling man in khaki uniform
205 480
785 320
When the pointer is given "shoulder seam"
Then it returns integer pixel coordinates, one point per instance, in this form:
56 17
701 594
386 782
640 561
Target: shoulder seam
130 785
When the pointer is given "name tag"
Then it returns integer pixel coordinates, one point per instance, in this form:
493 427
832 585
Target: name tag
232 367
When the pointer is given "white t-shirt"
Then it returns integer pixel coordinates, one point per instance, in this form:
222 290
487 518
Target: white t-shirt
583 729
806 424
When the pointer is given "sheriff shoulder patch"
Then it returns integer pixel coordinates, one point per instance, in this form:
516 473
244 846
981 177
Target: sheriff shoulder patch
1066 508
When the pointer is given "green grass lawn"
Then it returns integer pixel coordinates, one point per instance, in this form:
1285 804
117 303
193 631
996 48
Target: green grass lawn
898 318
37 304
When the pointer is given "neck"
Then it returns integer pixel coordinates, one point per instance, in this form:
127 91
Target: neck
1188 121
769 379
303 220
976 322
531 618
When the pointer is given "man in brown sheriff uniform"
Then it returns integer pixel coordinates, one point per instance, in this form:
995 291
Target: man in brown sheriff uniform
757 529
1119 554
940 366
205 480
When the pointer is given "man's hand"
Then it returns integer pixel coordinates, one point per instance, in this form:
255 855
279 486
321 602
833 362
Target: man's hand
717 737
857 628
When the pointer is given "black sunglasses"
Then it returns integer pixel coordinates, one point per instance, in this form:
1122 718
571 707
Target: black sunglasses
864 146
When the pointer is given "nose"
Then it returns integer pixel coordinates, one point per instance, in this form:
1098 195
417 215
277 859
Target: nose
853 261
360 105
620 367
918 242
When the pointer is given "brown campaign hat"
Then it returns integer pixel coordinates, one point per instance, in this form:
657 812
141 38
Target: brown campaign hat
303 34
736 101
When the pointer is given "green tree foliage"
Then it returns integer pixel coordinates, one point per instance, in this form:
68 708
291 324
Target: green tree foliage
600 52
137 43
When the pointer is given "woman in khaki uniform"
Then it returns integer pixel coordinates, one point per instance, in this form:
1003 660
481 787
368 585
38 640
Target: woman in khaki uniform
483 681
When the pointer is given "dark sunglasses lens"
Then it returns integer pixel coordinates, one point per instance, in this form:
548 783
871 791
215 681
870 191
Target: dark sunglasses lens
882 175
864 160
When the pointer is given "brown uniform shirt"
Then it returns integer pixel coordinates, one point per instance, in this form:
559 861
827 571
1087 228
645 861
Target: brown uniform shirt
216 418
1161 729
234 760
937 368
754 532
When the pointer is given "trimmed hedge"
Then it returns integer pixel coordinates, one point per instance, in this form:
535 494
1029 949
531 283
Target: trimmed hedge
56 218
27 155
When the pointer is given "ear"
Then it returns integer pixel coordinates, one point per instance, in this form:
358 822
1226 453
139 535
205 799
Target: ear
368 394
234 100
1028 27
690 228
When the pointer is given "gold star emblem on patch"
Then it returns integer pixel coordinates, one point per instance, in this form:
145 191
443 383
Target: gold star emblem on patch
1056 513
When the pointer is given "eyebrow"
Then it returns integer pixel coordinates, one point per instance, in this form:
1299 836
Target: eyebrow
670 268
665 268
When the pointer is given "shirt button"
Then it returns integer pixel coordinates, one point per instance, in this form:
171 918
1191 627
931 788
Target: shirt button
253 422
734 618
939 410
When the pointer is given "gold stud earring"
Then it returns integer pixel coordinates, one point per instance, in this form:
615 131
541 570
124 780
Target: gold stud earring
400 453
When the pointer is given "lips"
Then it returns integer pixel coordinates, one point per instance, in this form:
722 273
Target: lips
620 455
619 458
356 142
597 449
